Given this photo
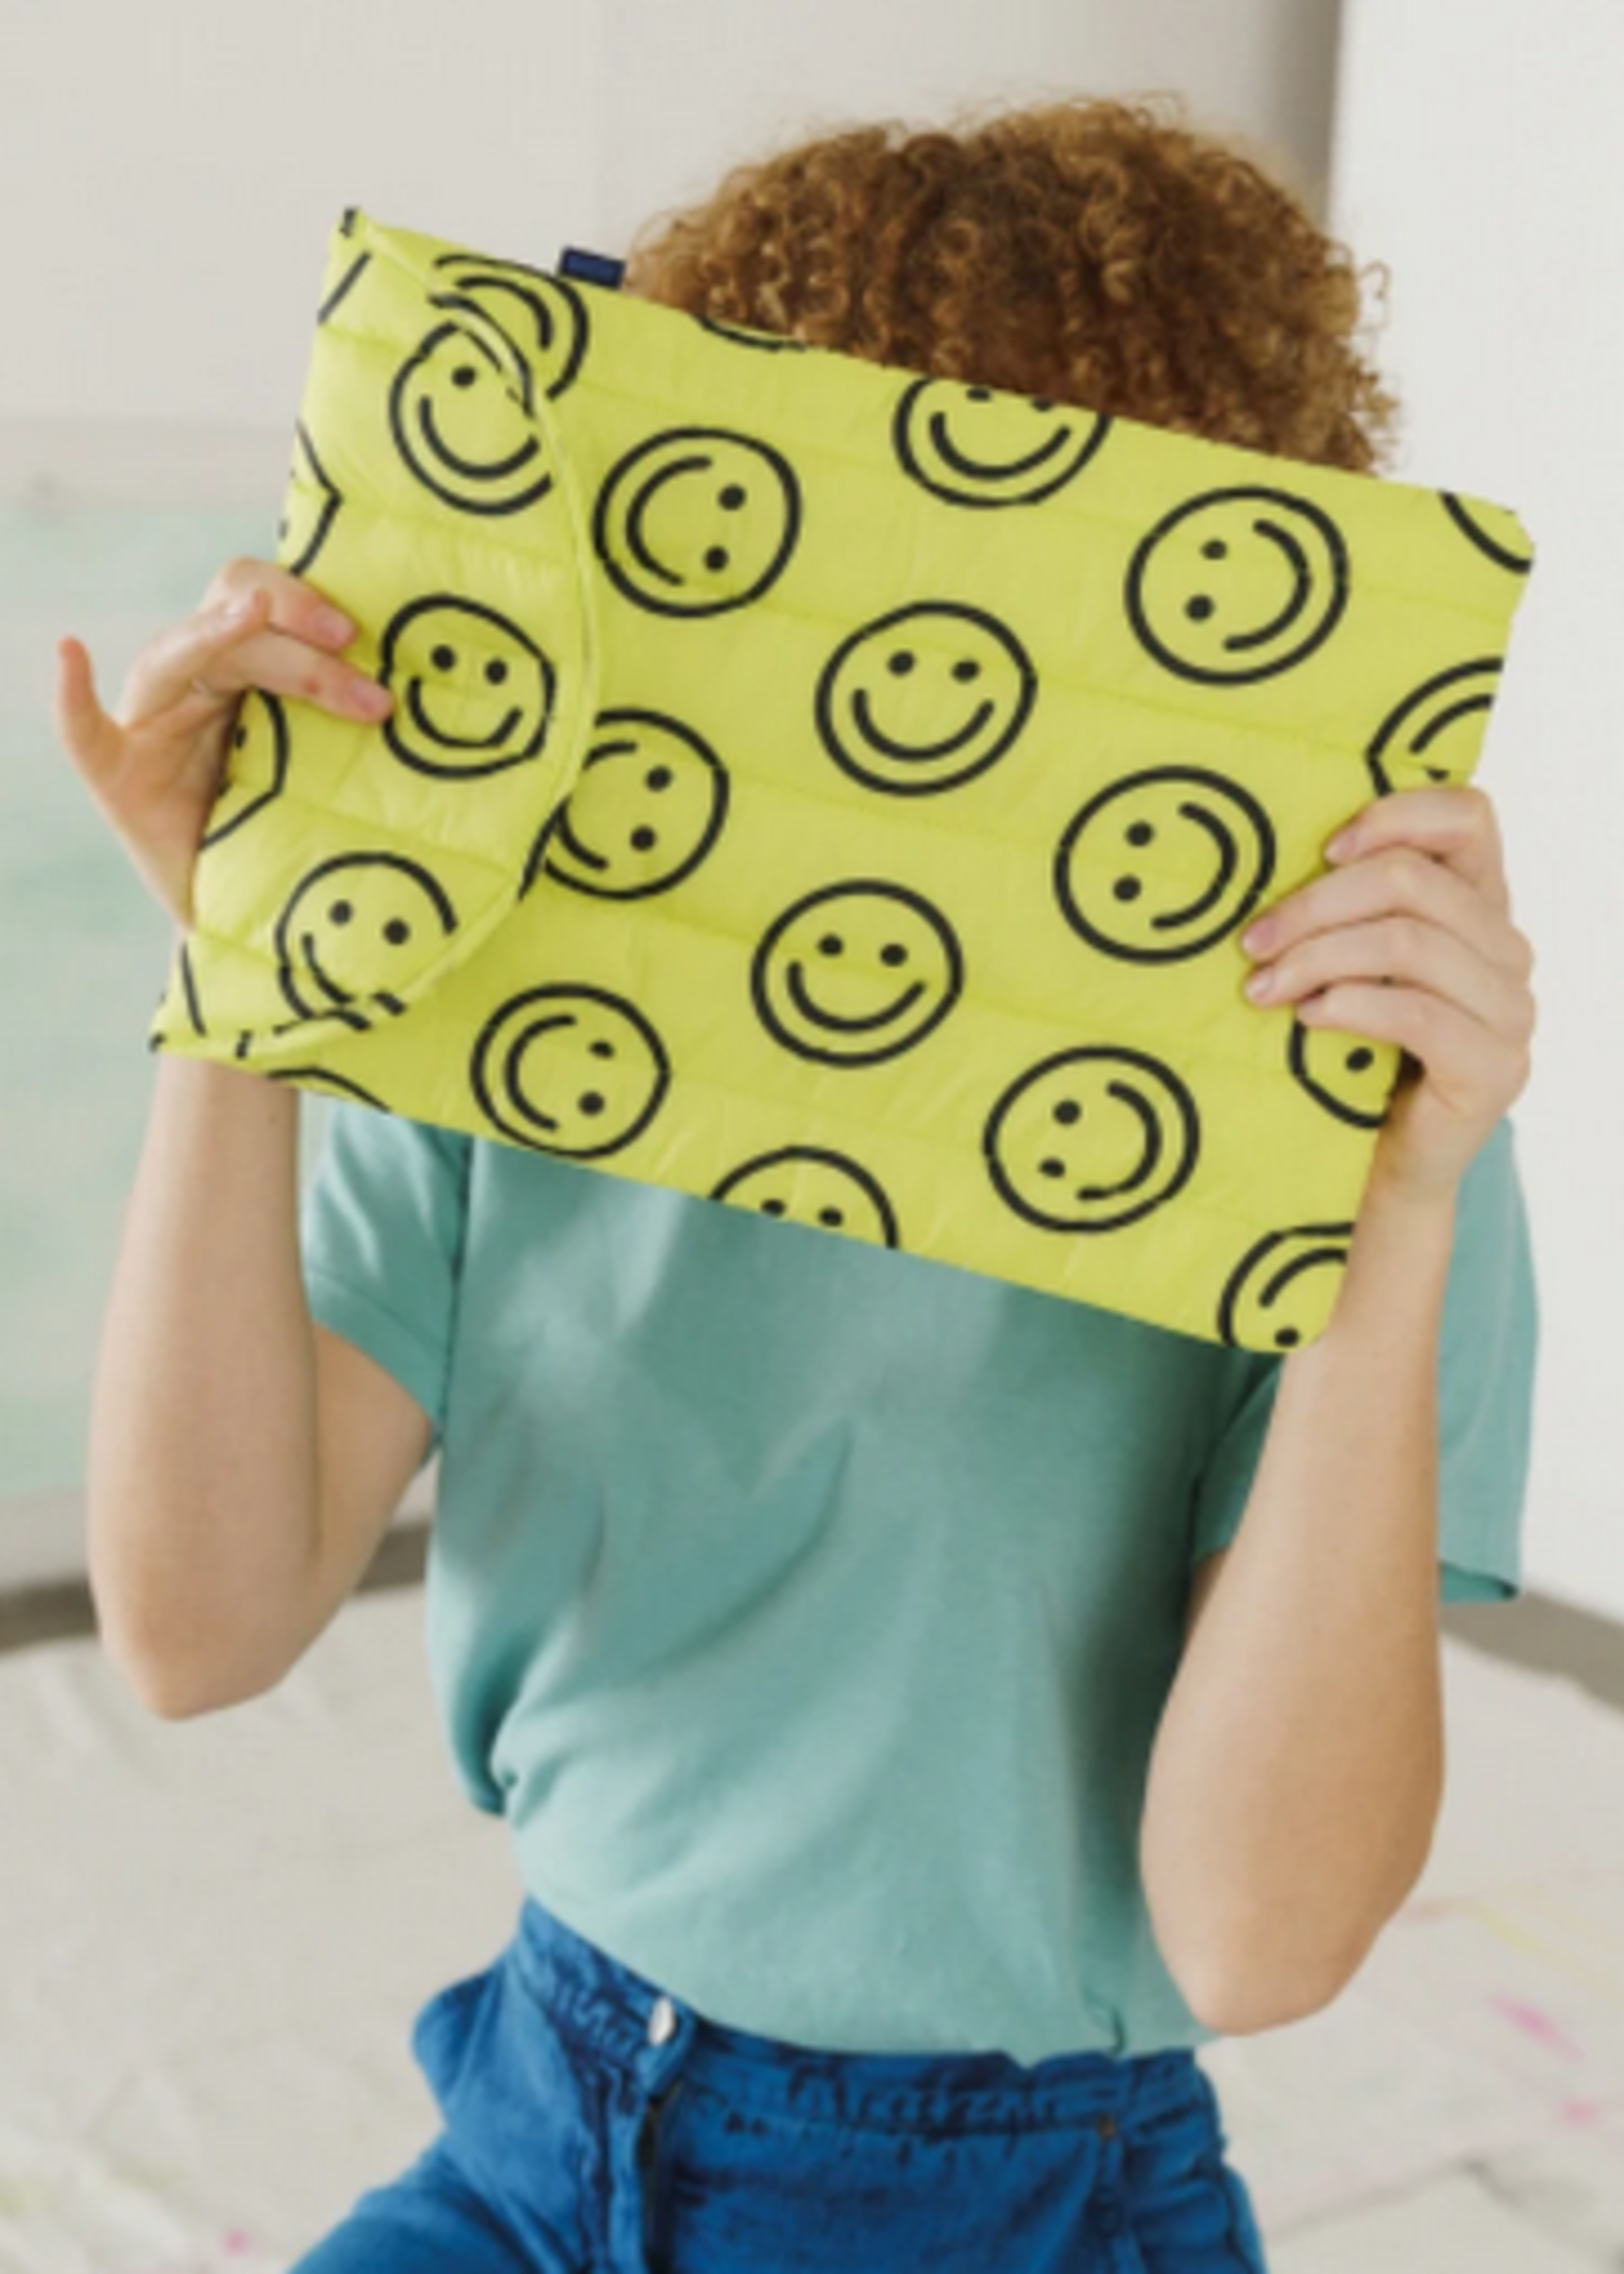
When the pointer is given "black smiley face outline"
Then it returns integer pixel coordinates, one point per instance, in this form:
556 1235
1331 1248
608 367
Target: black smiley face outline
629 492
765 962
344 284
1355 1056
1300 605
1259 1263
462 761
310 507
749 335
498 1086
618 734
855 757
1425 714
322 1078
556 353
295 943
1483 534
1174 1133
430 458
969 480
1234 912
257 702
846 1171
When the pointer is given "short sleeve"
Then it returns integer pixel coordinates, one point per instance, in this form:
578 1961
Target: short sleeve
382 1222
1486 1362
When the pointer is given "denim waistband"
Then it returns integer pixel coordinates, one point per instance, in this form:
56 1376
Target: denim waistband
619 2016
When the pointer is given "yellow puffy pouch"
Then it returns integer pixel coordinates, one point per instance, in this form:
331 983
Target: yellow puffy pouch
828 789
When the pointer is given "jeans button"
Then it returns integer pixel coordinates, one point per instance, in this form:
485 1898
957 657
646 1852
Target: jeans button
1106 2127
662 2021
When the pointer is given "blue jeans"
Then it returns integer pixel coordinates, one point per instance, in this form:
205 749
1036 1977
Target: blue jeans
597 2125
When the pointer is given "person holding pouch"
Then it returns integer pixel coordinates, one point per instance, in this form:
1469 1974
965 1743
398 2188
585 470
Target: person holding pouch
927 1711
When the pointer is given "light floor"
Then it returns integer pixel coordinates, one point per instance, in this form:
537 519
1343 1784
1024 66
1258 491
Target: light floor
216 1934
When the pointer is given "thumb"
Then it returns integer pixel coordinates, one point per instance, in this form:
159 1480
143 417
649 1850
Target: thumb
82 727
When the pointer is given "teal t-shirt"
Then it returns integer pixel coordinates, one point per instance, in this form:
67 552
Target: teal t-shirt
808 1609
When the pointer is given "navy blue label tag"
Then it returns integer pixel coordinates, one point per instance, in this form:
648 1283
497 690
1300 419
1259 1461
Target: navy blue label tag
591 267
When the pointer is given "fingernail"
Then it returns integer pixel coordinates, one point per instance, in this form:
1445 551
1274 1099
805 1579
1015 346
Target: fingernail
373 699
1261 983
1340 845
333 624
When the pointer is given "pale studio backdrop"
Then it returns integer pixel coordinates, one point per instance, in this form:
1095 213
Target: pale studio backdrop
169 176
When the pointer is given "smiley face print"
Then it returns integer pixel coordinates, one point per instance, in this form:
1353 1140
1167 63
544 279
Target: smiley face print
256 765
808 1185
750 335
976 445
1092 1140
569 1070
472 693
647 806
356 932
1435 733
858 972
924 697
1494 529
696 520
1163 864
541 319
311 506
1351 1078
1238 585
1283 1291
458 411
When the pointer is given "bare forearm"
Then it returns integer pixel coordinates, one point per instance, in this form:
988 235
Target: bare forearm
1299 1766
201 1473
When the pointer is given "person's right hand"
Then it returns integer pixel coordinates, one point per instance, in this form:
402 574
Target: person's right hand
154 766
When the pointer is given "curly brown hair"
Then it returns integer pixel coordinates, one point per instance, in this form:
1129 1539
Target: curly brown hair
1088 251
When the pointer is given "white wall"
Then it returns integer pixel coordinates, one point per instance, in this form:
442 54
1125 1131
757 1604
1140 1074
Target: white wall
169 170
1476 152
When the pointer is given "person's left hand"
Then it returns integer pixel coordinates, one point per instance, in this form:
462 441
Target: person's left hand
1410 941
